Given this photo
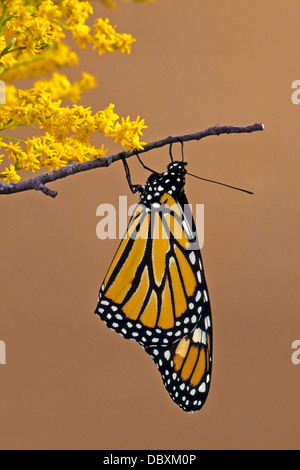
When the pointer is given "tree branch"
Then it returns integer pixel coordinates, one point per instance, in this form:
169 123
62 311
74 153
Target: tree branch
38 183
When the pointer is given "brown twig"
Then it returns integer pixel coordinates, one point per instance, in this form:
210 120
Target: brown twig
38 183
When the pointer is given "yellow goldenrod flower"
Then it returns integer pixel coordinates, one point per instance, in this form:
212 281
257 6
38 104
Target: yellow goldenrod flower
32 34
106 39
76 11
60 88
81 33
105 120
49 10
13 149
10 175
127 132
29 161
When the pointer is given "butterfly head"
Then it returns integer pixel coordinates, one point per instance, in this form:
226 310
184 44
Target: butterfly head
171 182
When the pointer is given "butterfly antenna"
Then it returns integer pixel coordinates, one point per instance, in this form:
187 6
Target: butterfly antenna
222 184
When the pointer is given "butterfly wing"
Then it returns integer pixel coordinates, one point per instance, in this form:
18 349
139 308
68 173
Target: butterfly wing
186 365
155 289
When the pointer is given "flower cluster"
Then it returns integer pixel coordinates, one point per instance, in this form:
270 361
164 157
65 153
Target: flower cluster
67 130
32 34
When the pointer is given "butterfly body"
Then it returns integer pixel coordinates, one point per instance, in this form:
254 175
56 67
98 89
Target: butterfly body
155 291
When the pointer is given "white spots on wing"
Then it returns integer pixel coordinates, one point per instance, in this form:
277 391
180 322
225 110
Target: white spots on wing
192 257
207 322
197 335
167 355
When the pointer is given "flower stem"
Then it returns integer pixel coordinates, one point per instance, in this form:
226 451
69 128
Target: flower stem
12 138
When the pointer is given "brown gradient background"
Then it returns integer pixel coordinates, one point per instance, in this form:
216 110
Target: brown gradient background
69 382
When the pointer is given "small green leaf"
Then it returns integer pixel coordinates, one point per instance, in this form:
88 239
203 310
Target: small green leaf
8 47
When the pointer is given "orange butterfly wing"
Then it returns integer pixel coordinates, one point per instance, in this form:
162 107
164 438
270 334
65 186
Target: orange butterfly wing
154 289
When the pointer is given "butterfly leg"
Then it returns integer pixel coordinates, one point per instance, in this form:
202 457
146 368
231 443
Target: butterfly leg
143 164
170 149
133 187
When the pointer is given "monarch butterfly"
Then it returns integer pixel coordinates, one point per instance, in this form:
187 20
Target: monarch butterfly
155 290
